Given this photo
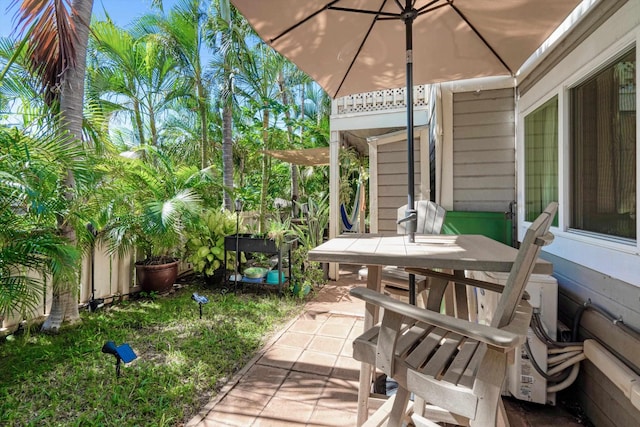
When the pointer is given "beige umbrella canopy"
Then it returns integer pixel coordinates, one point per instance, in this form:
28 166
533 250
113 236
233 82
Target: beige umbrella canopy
353 46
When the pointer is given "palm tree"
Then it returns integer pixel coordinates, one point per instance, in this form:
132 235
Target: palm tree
182 33
230 32
288 77
259 75
316 108
57 48
137 76
179 136
147 204
19 88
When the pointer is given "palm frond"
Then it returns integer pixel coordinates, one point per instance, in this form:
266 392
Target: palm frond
51 34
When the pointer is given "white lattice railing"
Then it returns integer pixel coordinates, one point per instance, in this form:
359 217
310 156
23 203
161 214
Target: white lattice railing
379 100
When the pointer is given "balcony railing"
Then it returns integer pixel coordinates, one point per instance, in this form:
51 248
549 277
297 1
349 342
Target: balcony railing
380 100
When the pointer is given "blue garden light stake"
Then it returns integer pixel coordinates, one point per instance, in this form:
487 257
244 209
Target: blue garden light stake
122 353
200 299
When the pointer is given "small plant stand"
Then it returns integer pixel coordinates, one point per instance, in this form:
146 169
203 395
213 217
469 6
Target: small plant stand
255 244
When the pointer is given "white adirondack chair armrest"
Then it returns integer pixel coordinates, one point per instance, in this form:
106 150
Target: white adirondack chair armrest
505 338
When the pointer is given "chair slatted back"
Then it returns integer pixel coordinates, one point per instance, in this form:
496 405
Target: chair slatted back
537 235
430 217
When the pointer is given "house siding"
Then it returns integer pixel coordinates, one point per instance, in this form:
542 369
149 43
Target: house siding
484 150
603 402
392 179
589 268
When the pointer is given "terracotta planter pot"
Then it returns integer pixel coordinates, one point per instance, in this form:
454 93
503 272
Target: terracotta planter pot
156 277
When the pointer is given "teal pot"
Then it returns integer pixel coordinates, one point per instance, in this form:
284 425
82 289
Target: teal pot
305 290
272 277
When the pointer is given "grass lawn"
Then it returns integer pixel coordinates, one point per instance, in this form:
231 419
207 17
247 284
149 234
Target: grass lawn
65 379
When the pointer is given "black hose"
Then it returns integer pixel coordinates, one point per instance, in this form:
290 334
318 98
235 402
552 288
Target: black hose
538 329
616 321
576 320
557 378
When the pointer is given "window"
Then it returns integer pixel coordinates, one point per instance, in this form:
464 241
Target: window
541 159
603 150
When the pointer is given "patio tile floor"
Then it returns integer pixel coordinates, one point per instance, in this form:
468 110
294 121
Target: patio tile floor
305 376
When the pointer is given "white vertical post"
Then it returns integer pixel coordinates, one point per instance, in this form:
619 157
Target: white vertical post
334 196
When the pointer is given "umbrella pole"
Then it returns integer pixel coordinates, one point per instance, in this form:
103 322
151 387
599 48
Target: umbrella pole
408 16
411 215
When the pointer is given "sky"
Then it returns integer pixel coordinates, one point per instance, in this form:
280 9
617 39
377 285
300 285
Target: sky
121 11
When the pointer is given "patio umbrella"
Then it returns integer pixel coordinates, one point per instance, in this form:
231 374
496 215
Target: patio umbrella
354 46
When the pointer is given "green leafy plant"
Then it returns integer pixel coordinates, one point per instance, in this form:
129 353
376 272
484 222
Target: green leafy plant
308 275
311 232
280 231
151 295
259 259
32 251
205 246
150 206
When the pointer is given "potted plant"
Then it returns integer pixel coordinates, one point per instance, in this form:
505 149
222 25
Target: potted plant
150 207
279 231
307 274
310 233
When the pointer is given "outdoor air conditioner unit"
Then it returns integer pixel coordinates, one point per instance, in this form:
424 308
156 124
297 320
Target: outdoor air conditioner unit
523 381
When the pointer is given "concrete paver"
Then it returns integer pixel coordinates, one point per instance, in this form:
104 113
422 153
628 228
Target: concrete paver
306 375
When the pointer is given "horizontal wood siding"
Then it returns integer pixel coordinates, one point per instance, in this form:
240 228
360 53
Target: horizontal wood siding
590 43
602 401
604 404
392 181
484 150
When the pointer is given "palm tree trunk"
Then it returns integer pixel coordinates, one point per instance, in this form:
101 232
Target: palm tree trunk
138 118
227 152
152 127
265 169
71 104
287 114
204 139
57 313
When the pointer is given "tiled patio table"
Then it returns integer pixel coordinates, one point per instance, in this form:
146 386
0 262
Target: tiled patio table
452 252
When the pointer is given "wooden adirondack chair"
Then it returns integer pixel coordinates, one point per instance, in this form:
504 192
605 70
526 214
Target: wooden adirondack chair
429 221
456 365
430 217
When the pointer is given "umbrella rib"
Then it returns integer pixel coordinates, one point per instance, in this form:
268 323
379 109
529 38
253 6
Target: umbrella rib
427 7
364 11
297 24
475 30
373 22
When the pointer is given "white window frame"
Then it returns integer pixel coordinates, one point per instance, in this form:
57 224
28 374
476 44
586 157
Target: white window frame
618 258
567 141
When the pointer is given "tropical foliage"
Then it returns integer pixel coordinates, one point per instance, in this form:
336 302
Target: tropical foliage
149 206
31 167
205 246
178 109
